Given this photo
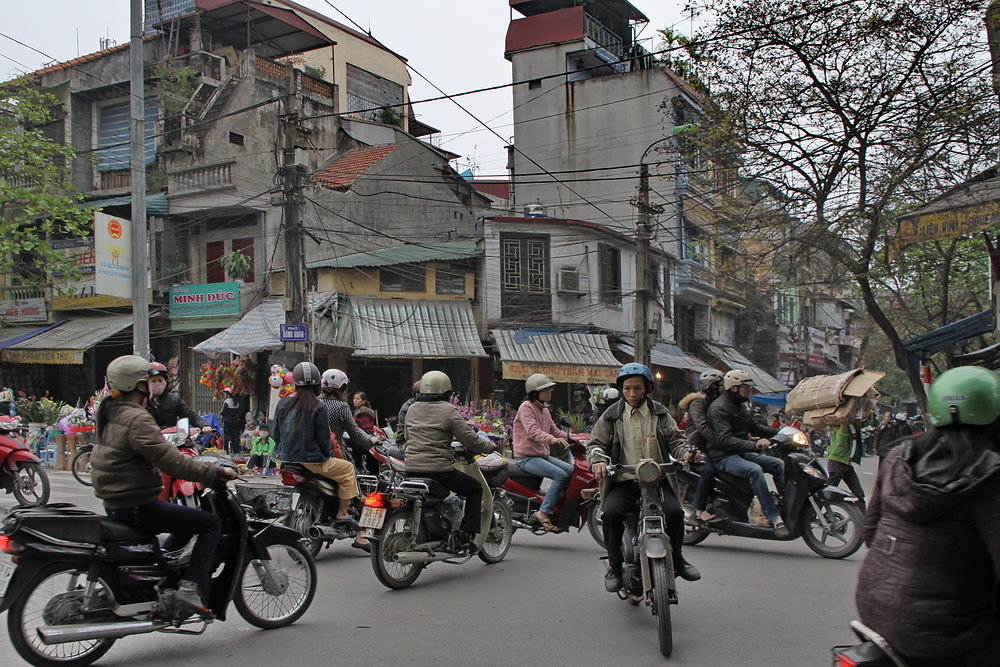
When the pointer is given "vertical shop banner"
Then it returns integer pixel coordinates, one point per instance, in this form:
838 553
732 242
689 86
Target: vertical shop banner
113 250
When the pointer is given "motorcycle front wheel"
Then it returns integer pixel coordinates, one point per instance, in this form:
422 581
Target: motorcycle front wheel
305 515
80 465
276 603
55 597
595 521
497 542
837 533
31 485
661 604
395 536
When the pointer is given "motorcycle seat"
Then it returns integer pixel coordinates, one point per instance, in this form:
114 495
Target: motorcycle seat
394 452
114 531
298 469
435 488
738 481
524 478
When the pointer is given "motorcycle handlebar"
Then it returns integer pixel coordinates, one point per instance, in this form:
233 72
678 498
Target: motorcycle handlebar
620 468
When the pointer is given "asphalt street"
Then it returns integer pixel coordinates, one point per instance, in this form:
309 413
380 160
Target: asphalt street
760 602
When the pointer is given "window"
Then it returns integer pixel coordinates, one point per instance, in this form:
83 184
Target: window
237 138
113 131
534 83
524 267
610 259
214 273
245 246
449 279
402 278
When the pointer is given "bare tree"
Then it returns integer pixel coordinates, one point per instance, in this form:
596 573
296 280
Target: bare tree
856 111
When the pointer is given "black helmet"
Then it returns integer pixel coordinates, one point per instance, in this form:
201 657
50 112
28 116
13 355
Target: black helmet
306 374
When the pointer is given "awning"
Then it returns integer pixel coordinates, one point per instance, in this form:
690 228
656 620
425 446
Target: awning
407 253
259 329
66 343
156 204
669 356
13 335
952 334
766 383
409 329
562 356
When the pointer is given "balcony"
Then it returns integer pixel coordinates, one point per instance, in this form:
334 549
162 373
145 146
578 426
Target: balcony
18 292
731 287
695 281
198 180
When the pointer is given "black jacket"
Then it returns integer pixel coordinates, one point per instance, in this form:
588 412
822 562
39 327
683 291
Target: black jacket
167 409
731 421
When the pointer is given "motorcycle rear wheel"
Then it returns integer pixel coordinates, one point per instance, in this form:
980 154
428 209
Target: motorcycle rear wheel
394 537
45 599
31 486
497 542
843 534
661 603
305 515
595 522
295 568
80 465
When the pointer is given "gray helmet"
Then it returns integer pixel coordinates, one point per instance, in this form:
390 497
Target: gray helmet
306 374
537 382
125 372
434 383
708 378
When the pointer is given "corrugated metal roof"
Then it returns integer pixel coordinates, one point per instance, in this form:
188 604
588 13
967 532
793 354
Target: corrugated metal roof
766 382
13 335
402 328
76 334
670 356
408 253
259 329
555 348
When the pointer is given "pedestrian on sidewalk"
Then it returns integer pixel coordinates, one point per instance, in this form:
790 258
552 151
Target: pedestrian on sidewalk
261 447
844 451
232 424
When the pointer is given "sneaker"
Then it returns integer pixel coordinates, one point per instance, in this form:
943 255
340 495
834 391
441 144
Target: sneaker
779 528
687 571
613 581
188 599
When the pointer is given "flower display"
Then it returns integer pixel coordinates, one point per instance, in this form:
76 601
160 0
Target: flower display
41 410
487 417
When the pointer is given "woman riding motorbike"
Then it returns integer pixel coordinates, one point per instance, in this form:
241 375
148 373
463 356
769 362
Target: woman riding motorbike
700 435
125 470
533 433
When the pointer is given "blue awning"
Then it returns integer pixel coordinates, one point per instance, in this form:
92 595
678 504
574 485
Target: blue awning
14 335
156 204
951 334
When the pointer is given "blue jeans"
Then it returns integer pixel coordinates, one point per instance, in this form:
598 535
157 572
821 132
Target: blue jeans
551 467
752 466
705 483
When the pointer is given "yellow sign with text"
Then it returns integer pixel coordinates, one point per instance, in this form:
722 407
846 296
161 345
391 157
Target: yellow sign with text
519 370
43 356
961 221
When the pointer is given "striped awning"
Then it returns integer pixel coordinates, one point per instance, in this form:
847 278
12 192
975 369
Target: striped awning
765 382
563 356
407 329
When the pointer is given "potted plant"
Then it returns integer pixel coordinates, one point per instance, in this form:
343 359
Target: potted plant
237 265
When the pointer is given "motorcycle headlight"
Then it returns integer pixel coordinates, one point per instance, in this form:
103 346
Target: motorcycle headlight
647 471
800 439
809 470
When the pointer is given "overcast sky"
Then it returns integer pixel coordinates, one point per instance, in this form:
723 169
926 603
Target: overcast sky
456 44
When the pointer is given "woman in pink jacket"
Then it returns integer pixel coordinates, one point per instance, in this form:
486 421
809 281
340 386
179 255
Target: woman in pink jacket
534 433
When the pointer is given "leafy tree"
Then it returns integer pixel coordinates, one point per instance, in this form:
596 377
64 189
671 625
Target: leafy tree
856 111
37 201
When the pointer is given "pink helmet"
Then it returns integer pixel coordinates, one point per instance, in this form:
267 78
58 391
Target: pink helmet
334 379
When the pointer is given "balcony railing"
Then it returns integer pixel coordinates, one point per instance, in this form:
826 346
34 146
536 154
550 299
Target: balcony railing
732 287
200 179
18 292
116 180
692 275
600 34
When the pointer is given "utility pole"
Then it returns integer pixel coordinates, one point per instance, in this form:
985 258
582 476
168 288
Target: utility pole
642 270
140 245
291 182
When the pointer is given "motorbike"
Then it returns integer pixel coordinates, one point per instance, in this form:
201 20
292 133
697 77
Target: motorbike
78 581
818 446
21 472
576 508
873 651
80 463
176 490
648 570
825 517
416 520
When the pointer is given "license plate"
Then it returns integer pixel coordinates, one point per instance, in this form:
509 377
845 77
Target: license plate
6 573
372 517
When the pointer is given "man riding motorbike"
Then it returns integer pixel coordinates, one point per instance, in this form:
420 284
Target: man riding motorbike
432 423
699 434
167 407
401 417
636 428
735 453
125 469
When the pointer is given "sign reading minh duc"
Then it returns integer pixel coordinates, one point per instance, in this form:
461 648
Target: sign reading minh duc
205 300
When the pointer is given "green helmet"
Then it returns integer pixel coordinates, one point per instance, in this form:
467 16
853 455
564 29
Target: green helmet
964 395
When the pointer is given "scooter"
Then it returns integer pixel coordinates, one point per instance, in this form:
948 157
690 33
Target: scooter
176 490
575 508
21 472
826 517
78 581
648 570
417 520
873 651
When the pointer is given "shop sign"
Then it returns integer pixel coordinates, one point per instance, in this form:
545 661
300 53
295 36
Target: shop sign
43 356
293 333
81 294
24 310
519 370
209 299
113 255
961 221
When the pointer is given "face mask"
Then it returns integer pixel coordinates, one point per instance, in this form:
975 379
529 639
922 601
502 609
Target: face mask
157 388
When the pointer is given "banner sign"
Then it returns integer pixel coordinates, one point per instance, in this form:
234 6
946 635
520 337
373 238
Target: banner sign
519 370
962 221
43 356
113 254
205 300
24 310
82 293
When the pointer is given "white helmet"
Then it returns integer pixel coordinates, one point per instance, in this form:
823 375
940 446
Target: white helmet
708 378
334 379
737 378
610 394
435 383
538 382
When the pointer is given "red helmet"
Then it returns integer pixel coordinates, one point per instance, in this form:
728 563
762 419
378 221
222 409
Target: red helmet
156 368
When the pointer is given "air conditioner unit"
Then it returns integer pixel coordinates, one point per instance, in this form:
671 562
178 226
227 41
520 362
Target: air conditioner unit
569 283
